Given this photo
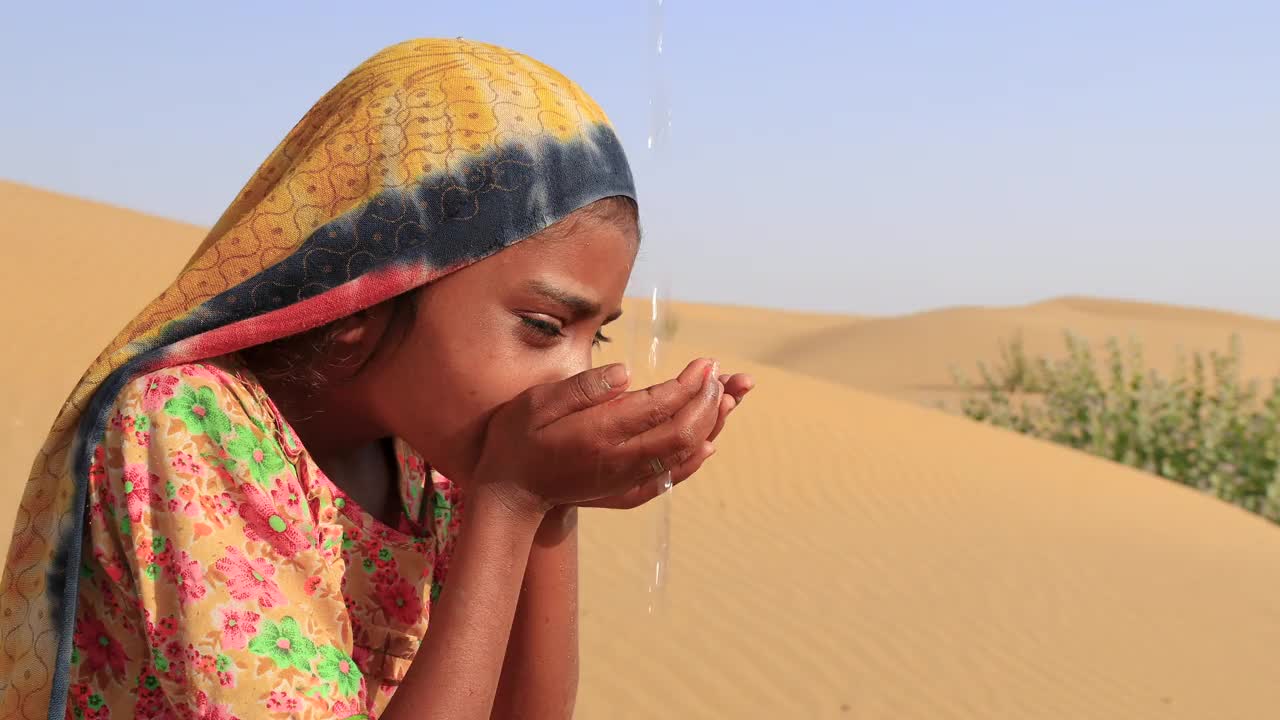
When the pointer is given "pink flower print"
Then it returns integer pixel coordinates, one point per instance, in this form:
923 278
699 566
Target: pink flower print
237 627
199 370
217 508
159 389
98 468
186 464
225 503
402 602
347 708
206 664
188 577
100 650
250 579
363 658
440 572
207 710
139 489
309 587
263 521
186 502
110 564
290 498
278 702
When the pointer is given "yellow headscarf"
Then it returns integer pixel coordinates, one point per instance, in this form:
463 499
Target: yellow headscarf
430 155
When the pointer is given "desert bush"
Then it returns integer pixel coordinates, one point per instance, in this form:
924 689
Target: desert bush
1203 426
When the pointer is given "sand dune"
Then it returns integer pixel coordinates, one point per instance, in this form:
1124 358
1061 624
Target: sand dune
75 271
750 333
846 554
847 550
911 357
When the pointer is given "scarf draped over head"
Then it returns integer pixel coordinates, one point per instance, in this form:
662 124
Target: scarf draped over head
429 156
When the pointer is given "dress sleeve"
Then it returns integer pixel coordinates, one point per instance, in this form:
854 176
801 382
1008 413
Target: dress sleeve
207 589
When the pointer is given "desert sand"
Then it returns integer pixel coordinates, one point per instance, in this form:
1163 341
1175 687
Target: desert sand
849 552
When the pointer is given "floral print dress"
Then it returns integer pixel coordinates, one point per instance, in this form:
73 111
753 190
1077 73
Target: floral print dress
224 576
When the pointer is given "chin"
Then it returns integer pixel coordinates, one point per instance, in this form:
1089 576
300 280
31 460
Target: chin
456 459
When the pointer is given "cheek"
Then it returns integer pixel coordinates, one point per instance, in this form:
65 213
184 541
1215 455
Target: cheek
450 389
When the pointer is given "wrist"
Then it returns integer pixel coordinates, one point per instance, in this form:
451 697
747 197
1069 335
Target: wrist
507 504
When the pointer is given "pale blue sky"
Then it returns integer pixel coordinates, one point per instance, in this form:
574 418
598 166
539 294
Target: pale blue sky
881 158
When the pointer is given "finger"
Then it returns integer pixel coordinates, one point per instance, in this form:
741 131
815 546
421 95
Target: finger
727 404
656 485
674 441
739 385
642 410
641 494
580 392
687 468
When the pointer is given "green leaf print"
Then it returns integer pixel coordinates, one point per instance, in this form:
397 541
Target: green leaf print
261 455
223 663
442 509
158 544
198 409
141 423
285 644
337 667
159 661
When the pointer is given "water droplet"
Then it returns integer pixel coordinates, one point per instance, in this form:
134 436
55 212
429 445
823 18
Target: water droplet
657 282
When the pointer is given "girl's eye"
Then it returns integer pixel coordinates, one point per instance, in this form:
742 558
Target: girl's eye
554 330
545 327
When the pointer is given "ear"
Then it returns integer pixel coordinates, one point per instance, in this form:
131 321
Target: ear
356 338
355 328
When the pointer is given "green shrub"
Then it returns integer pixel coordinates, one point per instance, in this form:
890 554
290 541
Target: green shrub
1202 427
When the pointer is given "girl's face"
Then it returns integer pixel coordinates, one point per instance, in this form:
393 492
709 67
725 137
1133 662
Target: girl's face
530 314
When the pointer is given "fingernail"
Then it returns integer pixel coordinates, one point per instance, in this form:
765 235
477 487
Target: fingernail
616 376
712 369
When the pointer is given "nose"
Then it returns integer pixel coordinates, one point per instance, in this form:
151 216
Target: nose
572 363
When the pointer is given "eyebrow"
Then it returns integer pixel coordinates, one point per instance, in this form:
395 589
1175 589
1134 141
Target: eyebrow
577 305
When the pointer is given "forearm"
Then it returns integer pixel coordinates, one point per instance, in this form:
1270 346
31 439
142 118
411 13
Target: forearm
455 673
540 675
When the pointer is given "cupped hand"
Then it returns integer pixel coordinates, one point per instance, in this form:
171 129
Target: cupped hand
586 438
734 389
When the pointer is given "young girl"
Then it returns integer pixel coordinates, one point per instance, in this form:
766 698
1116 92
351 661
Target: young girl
243 510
